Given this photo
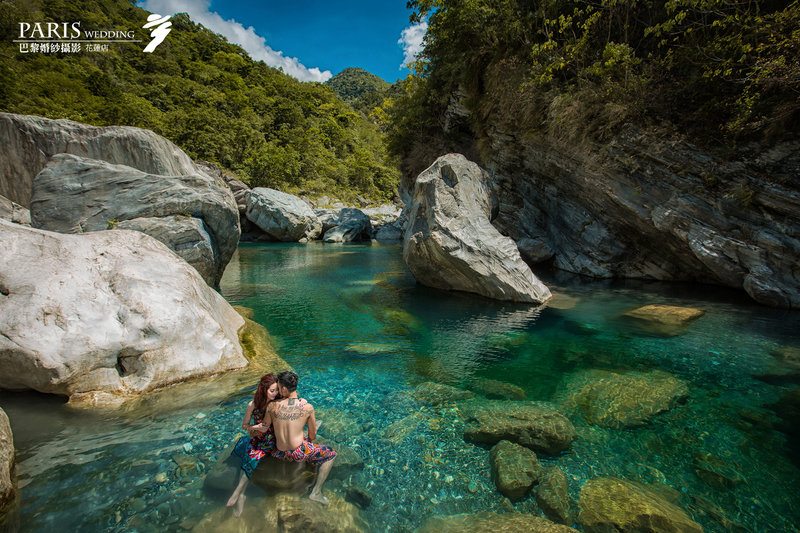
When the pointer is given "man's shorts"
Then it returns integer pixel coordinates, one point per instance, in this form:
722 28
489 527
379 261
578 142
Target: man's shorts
308 452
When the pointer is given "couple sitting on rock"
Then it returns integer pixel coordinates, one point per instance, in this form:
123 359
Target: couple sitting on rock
280 418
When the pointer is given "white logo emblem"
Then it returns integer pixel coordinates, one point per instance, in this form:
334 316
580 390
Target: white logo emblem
159 33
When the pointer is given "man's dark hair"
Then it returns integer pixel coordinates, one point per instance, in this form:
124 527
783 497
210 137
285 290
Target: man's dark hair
289 380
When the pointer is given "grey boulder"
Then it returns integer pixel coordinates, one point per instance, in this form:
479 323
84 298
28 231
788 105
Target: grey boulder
106 315
353 226
284 217
28 143
13 212
198 216
450 242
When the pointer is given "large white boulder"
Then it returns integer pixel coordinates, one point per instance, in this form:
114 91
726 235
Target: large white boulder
282 216
105 315
450 242
28 142
193 214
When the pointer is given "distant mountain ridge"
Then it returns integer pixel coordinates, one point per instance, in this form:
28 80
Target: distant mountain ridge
361 89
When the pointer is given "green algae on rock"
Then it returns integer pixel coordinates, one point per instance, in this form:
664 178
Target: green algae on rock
613 504
620 400
438 393
486 521
515 469
535 425
494 389
552 495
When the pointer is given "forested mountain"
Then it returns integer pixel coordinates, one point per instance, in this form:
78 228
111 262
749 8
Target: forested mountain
361 89
200 91
720 72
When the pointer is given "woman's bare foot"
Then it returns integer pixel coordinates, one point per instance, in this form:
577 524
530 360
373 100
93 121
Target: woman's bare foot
318 498
239 506
232 500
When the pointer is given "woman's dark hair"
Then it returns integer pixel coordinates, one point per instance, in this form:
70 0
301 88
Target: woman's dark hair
261 399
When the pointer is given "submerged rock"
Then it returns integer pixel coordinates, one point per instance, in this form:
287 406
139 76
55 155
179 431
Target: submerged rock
438 393
532 424
282 216
715 471
450 242
352 226
13 212
486 521
616 401
104 315
664 320
498 390
611 504
7 488
190 213
515 469
553 497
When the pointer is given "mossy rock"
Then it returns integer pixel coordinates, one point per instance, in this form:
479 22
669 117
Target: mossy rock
438 393
552 495
535 425
493 522
498 390
257 344
620 400
514 469
663 320
619 505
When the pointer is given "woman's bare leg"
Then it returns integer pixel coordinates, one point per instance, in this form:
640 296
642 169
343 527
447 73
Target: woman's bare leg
238 493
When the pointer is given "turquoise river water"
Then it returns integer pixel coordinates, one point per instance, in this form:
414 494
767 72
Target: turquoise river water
362 335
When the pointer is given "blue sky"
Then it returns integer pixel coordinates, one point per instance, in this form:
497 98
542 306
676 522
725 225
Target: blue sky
311 39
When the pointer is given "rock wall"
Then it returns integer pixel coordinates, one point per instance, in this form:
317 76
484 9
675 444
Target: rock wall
655 207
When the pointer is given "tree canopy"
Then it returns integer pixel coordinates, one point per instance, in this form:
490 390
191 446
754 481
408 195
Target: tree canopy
720 71
201 92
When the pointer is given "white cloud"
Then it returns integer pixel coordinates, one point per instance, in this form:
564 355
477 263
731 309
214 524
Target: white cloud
247 38
411 38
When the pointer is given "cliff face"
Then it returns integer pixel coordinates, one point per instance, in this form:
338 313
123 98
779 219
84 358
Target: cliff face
655 207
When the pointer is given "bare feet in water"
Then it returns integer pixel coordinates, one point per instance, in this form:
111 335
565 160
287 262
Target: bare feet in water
318 498
232 500
239 506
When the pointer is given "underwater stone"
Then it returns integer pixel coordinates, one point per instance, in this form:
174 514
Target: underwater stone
612 504
498 390
664 320
715 471
510 522
532 424
552 495
438 393
616 401
514 469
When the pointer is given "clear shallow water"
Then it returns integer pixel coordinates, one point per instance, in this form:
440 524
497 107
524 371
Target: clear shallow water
361 333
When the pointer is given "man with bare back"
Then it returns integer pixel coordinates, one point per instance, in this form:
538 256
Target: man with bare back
288 417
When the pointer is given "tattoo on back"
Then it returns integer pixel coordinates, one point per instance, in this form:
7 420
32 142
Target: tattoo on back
291 411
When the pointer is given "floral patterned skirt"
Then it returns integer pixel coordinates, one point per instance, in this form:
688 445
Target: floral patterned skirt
252 449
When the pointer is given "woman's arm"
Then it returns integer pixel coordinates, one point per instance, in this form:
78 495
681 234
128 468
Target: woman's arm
248 415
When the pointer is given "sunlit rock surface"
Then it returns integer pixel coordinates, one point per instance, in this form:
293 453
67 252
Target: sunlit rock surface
486 521
105 315
611 504
450 242
663 320
7 488
620 400
282 216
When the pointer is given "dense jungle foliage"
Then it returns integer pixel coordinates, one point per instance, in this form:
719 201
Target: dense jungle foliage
719 71
363 90
201 92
